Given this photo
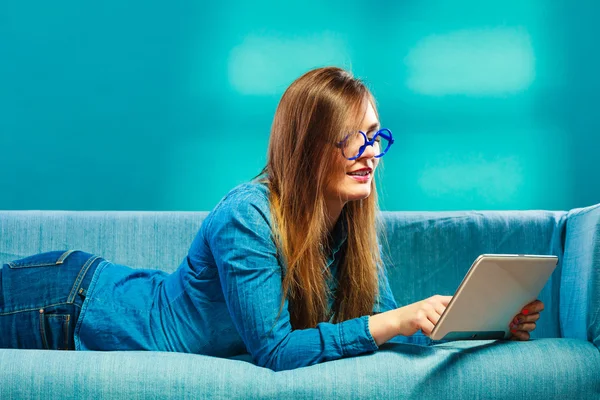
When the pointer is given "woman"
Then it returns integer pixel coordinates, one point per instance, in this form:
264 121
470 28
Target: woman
286 267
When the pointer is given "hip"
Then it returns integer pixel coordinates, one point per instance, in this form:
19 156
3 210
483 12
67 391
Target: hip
41 298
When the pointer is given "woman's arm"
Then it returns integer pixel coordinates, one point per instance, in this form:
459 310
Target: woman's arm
384 324
239 236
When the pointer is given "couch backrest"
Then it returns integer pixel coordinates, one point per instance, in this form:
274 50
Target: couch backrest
427 252
140 239
432 251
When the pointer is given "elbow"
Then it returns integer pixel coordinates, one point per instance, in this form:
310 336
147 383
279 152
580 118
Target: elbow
291 352
279 357
274 360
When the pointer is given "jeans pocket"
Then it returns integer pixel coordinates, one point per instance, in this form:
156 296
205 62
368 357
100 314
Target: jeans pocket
55 331
48 259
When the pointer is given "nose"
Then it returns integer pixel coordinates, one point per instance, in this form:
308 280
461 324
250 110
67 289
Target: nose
368 153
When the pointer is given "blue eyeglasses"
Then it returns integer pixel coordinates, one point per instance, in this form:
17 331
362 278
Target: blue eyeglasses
354 144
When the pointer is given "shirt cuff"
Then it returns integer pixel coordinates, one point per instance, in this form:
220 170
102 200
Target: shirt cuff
418 338
356 337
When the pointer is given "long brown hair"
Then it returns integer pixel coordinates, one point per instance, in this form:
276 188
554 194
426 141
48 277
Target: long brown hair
314 113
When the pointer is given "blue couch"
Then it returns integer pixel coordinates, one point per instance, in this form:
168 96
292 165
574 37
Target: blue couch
428 253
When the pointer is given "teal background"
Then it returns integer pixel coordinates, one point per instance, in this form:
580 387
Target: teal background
151 105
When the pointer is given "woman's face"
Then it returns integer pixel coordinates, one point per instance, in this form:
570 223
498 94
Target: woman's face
354 182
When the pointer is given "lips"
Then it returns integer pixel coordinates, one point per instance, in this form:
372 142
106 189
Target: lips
361 172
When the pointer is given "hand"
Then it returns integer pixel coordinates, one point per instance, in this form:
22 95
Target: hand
422 315
524 322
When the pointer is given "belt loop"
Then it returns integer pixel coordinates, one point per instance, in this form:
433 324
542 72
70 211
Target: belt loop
80 277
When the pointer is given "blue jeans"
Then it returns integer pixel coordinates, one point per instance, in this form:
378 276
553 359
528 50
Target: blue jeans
41 298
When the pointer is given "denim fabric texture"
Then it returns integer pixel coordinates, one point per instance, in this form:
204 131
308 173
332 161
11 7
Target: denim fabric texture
543 369
425 253
224 298
41 298
580 285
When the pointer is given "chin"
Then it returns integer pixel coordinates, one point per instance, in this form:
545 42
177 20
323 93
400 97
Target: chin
359 194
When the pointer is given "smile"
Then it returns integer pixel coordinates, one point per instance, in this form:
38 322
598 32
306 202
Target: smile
360 173
360 176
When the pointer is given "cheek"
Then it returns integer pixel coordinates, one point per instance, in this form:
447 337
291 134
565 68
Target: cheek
344 168
337 176
347 165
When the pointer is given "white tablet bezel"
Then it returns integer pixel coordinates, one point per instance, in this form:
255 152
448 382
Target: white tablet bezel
494 290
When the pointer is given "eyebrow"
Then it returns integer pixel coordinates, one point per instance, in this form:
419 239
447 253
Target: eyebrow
372 127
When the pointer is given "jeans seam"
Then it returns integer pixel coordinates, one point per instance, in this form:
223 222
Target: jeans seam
60 261
80 276
342 341
36 308
43 331
66 332
91 287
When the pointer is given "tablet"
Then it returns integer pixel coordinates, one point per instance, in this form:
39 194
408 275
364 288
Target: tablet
495 289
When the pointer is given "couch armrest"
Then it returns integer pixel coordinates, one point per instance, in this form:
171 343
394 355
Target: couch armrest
580 280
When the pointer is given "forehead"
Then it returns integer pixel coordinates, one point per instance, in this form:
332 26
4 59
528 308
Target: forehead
370 118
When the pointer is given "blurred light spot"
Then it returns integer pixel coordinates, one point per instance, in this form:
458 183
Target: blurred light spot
473 62
264 65
497 180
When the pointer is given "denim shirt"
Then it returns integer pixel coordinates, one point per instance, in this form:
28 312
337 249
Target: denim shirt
224 299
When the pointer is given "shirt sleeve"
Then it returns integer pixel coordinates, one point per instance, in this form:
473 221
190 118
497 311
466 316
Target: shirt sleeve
386 302
240 238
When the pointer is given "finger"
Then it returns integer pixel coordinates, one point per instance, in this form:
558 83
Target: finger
526 313
521 335
520 319
434 314
515 335
529 327
533 307
524 322
439 308
434 309
445 300
426 326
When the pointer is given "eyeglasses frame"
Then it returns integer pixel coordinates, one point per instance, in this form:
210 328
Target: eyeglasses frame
361 150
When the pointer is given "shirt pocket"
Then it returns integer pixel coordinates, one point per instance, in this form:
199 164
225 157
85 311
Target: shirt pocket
47 259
